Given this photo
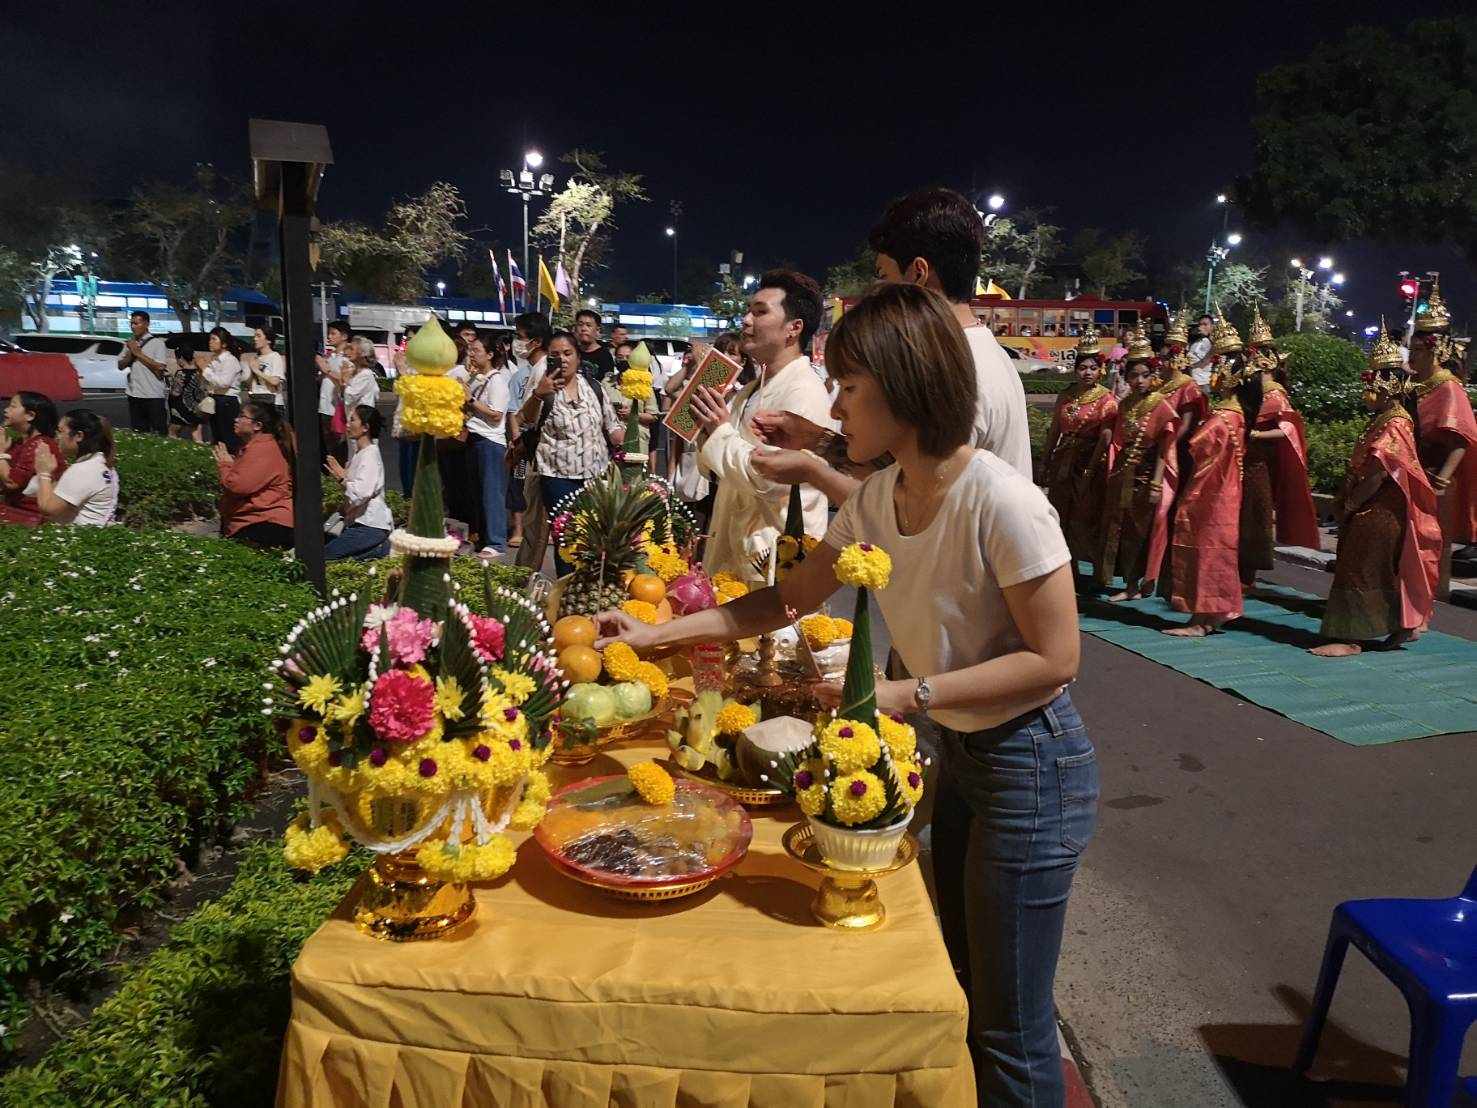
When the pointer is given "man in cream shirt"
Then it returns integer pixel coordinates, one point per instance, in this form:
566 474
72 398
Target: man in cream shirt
749 510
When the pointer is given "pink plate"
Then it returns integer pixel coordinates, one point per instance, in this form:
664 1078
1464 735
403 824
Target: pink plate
597 794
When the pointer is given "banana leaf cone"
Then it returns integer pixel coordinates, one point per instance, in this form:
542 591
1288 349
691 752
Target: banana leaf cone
424 586
632 443
795 515
859 692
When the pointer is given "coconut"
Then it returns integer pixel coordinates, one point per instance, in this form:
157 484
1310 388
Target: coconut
772 740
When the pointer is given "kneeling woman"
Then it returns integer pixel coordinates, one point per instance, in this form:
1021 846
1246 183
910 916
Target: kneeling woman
256 485
1384 585
981 607
367 518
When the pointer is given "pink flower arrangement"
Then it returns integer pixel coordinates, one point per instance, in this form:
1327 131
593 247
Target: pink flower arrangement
402 708
488 638
409 637
558 524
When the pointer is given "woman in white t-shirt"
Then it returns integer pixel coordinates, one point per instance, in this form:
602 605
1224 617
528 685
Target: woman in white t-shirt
361 386
367 519
223 378
86 494
981 608
267 369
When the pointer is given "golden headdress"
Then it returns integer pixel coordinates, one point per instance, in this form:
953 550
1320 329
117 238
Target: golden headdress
1224 339
1179 329
1140 348
1090 344
1436 317
1387 376
1385 354
1261 333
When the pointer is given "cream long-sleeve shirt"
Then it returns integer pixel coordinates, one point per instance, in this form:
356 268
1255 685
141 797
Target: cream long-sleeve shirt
749 511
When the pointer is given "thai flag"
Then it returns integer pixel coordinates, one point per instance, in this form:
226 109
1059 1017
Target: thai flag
520 286
497 274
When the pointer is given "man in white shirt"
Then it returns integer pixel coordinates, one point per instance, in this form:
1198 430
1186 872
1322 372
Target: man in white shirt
525 504
487 435
1200 353
749 509
932 237
145 357
330 369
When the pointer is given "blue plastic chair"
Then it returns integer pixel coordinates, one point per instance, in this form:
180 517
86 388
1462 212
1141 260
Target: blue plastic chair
1428 948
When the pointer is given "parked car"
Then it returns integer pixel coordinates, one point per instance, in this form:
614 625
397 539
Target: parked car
1029 363
94 356
52 375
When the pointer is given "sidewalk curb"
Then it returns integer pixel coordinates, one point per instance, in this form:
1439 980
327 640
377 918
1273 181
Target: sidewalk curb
1079 1093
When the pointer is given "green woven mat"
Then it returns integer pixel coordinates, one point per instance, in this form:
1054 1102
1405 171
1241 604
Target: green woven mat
1427 688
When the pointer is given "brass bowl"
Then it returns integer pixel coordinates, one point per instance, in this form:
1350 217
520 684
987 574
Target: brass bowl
750 796
847 900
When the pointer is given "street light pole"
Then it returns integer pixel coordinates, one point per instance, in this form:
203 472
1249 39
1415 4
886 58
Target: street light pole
526 187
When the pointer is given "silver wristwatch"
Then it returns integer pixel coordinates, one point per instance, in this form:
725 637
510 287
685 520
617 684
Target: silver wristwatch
923 694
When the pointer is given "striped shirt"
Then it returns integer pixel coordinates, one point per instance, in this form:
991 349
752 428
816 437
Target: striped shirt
573 443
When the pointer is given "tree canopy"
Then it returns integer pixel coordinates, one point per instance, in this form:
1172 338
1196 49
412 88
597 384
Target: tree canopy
390 262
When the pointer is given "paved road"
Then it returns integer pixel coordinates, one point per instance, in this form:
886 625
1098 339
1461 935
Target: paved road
1227 835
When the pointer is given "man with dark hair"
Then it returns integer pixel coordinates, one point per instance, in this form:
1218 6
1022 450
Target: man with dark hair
527 519
467 332
932 237
596 362
1200 353
146 357
749 509
619 335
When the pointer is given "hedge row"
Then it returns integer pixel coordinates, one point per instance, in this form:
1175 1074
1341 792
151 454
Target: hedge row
199 1022
466 573
133 712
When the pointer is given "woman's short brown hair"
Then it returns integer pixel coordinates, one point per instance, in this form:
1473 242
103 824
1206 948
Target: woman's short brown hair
906 338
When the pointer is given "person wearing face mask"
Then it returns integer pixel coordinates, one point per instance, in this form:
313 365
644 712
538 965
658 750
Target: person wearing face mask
611 386
526 514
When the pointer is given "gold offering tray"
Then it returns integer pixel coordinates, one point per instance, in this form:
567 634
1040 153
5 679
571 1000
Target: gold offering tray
609 736
848 900
747 795
674 891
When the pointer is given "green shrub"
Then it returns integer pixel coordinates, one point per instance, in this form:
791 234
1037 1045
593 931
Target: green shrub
137 660
1330 446
163 481
1050 383
201 1020
350 576
1324 376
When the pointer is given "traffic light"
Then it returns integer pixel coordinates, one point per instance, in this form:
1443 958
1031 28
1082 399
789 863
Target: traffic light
1409 289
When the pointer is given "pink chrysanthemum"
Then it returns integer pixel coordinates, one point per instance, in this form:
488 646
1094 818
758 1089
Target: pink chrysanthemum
402 707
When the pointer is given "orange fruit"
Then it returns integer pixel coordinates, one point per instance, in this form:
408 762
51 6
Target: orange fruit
574 631
648 587
579 663
664 611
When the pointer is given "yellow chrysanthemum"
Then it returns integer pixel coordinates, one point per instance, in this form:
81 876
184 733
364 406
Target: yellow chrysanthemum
621 662
319 692
910 782
812 801
864 566
446 861
313 848
734 718
850 746
822 630
653 783
639 609
518 687
636 384
449 696
650 674
307 742
501 762
570 553
347 709
900 737
665 562
531 807
857 797
432 405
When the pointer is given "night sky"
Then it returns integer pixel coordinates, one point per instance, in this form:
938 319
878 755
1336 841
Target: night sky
782 130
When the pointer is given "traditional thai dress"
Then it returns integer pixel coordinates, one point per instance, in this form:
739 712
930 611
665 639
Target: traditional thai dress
1191 406
1445 413
15 505
1276 500
1075 468
1207 522
1390 547
1135 516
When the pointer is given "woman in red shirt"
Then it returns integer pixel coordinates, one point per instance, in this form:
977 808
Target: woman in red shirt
256 485
30 425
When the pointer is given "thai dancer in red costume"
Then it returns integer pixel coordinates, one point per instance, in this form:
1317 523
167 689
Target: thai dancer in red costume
1448 430
1384 586
1191 407
1075 468
1276 500
1207 523
1141 480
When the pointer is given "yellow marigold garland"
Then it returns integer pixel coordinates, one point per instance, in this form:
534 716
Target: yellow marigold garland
313 848
653 783
650 674
432 405
851 746
639 609
621 662
864 566
665 562
734 718
445 861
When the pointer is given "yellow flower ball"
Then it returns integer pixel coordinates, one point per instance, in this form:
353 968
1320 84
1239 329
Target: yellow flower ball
639 609
636 384
910 782
864 566
900 737
432 405
653 783
851 746
621 662
650 674
733 718
857 797
812 800
468 861
310 754
313 848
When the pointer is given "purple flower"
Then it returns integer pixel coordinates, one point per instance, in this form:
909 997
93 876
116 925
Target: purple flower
866 547
515 744
510 714
482 752
428 767
858 788
914 780
307 734
846 732
378 757
803 779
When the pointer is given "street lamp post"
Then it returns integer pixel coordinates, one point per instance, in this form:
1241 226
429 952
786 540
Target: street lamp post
1214 257
1305 276
524 185
672 234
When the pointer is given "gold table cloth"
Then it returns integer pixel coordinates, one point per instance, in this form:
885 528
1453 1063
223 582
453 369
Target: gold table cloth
558 994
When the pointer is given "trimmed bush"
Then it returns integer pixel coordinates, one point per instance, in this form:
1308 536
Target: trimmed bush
466 572
201 1020
136 707
1051 383
163 481
1330 446
1324 376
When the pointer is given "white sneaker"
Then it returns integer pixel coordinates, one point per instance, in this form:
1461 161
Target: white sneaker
489 552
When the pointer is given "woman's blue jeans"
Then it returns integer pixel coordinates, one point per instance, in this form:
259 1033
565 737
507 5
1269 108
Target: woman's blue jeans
358 542
1016 804
489 456
555 489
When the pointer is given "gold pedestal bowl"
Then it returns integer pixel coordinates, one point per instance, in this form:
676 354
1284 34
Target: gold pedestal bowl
848 900
402 904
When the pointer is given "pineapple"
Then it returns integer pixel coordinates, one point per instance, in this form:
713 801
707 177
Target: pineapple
609 520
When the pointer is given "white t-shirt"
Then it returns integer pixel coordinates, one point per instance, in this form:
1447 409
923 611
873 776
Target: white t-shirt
1199 352
364 490
363 388
1000 424
142 383
944 606
327 387
91 486
274 367
225 374
490 390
